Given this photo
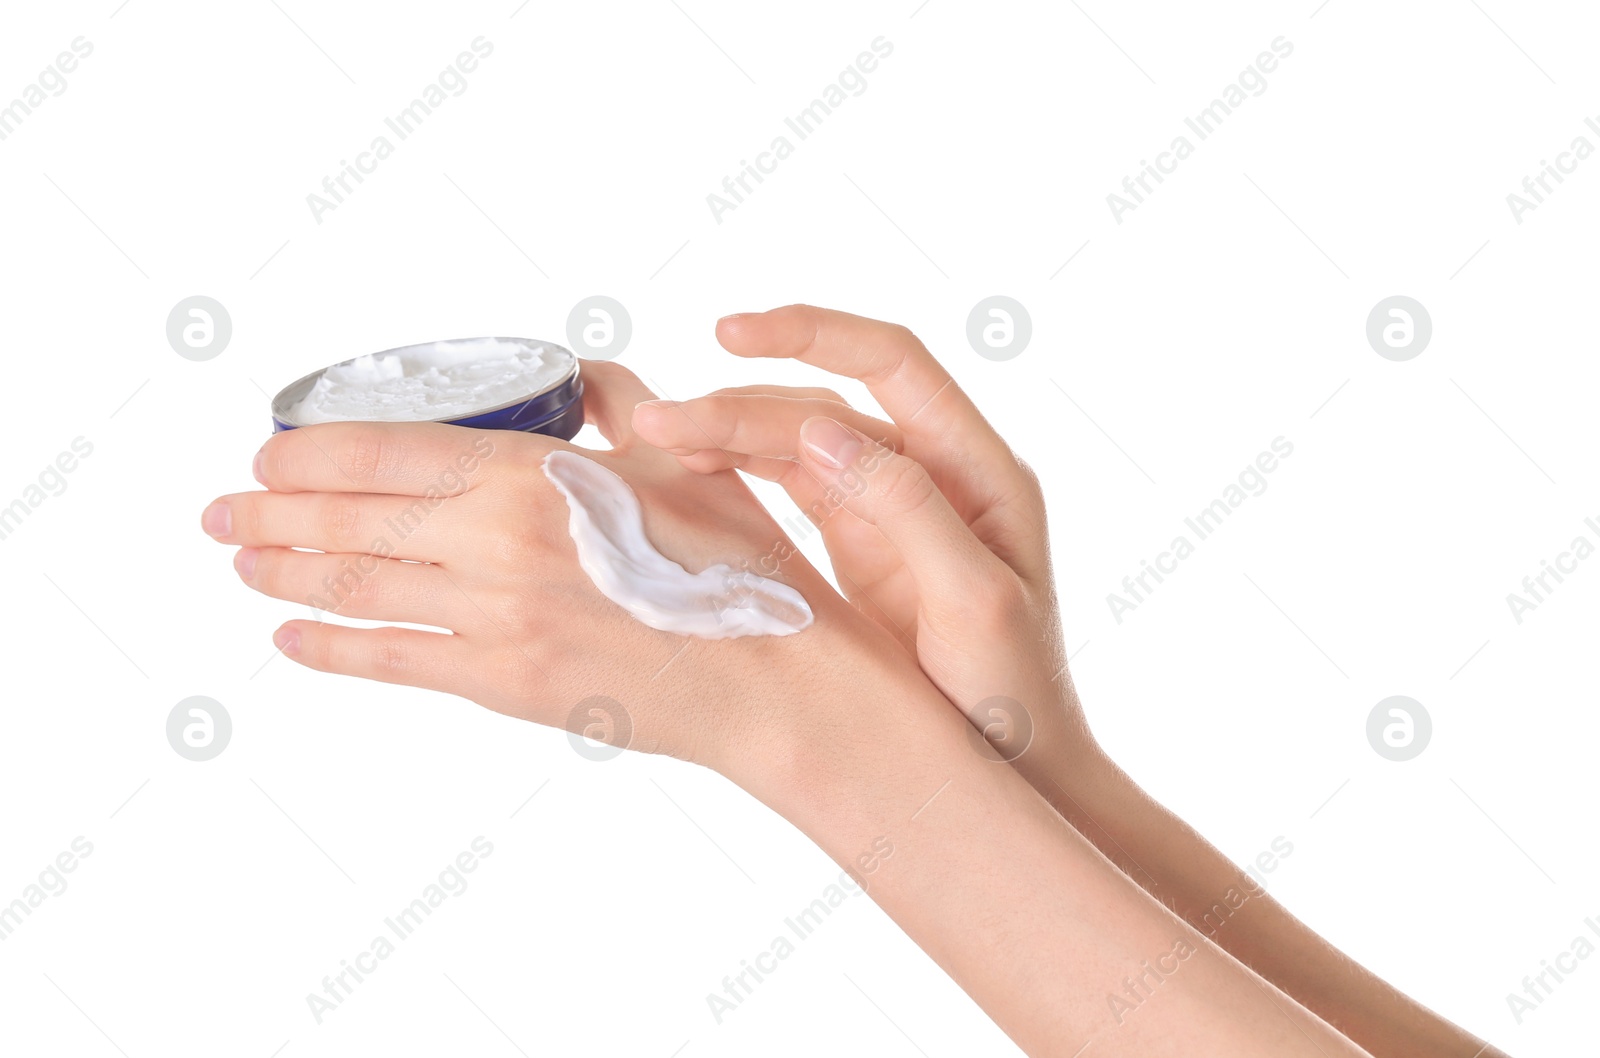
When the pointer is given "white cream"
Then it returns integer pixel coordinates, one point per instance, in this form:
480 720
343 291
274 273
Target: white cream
445 380
719 602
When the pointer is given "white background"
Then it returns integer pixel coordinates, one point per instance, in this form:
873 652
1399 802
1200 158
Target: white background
1227 310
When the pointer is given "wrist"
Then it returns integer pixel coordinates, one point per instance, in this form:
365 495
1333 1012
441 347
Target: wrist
882 748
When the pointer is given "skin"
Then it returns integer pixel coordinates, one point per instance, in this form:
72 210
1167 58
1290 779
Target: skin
1034 922
936 530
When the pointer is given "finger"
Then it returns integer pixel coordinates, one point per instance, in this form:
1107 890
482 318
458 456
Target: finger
610 392
815 503
401 458
896 494
336 522
363 586
809 494
905 379
432 660
819 509
754 425
889 602
798 392
712 460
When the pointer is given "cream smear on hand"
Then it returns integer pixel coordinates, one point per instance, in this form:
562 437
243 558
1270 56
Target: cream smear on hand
719 602
443 380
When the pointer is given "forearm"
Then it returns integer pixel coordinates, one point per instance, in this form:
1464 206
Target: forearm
1181 869
939 532
1045 934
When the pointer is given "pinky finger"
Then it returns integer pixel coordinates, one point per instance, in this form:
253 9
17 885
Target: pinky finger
432 660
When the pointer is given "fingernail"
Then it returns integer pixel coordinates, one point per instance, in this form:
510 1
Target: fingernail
736 316
657 404
287 640
217 520
832 444
255 466
245 561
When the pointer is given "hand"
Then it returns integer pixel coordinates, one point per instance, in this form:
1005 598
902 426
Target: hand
934 527
833 726
460 529
938 531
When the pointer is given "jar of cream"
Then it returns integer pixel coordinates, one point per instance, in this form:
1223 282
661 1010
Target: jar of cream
485 383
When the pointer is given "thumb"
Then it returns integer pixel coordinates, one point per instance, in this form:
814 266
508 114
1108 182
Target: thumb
896 494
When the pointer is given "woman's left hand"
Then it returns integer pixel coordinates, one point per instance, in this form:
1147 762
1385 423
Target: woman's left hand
422 523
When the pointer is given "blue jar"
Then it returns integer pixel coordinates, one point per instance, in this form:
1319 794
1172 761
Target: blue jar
402 385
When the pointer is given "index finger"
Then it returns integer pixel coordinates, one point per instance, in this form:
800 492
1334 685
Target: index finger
902 375
398 458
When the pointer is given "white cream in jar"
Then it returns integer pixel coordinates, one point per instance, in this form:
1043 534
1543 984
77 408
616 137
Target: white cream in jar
719 602
432 382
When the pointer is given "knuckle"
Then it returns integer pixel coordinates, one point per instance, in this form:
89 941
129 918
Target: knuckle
1028 502
390 655
247 522
901 335
316 651
521 677
727 430
903 484
802 310
1031 486
283 456
710 460
269 458
367 456
341 522
271 578
1001 602
610 372
902 349
522 463
345 586
407 515
514 547
517 615
360 587
710 420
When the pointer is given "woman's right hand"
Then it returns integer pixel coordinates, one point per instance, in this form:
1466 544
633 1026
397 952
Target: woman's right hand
934 527
938 531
